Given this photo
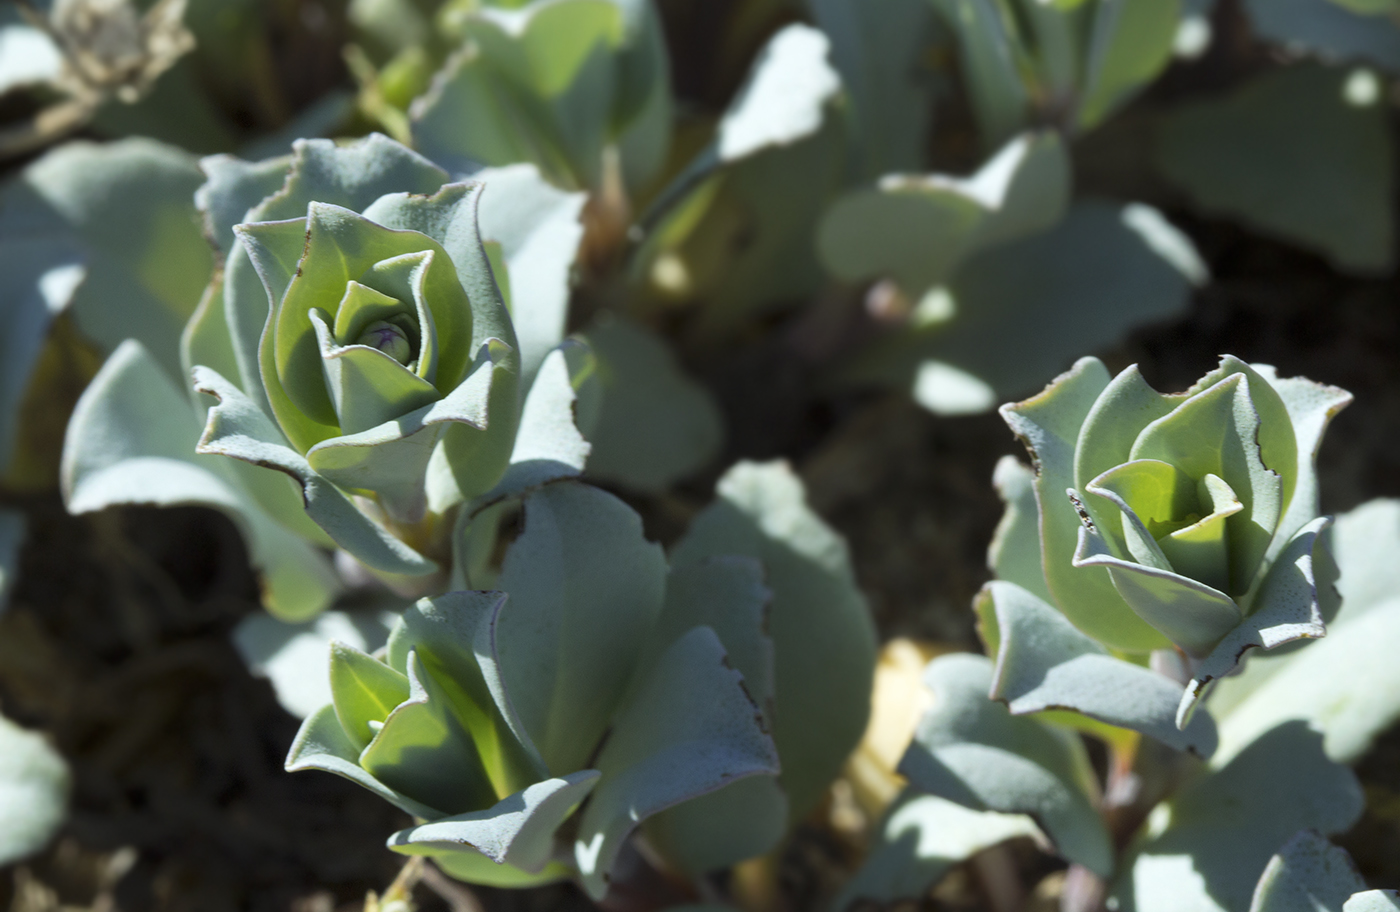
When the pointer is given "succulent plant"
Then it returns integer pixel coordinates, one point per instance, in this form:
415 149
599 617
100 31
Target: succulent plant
1186 522
710 703
1158 540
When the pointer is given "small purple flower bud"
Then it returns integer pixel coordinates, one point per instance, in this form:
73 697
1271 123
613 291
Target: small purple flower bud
389 339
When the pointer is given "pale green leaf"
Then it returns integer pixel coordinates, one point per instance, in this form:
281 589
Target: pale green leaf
423 750
295 658
919 228
363 690
128 206
1014 554
457 637
746 818
878 49
539 229
1286 608
990 56
1373 901
1024 310
1129 44
321 744
1049 425
131 440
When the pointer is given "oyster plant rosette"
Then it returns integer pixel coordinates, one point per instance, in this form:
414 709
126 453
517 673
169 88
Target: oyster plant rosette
384 376
1158 539
1184 522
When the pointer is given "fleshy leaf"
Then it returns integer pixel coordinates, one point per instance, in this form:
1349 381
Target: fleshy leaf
1328 193
1129 43
823 637
655 425
746 818
1208 846
321 744
1014 554
918 228
237 427
539 230
364 691
690 730
548 444
1373 901
990 62
1309 874
131 440
922 838
585 587
1287 609
296 657
878 48
971 750
456 637
128 206
391 459
423 749
517 831
34 786
782 99
1021 311
353 175
1319 683
1049 425
1194 616
1044 663
1219 431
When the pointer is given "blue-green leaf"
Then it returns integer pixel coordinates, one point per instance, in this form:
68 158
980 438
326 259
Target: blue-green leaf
1044 663
823 637
585 588
689 730
238 428
1207 847
1308 874
132 439
971 750
517 831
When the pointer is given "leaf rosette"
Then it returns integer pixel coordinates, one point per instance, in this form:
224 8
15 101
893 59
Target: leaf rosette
358 342
1187 521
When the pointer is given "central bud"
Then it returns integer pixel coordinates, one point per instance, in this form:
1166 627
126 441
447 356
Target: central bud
389 339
